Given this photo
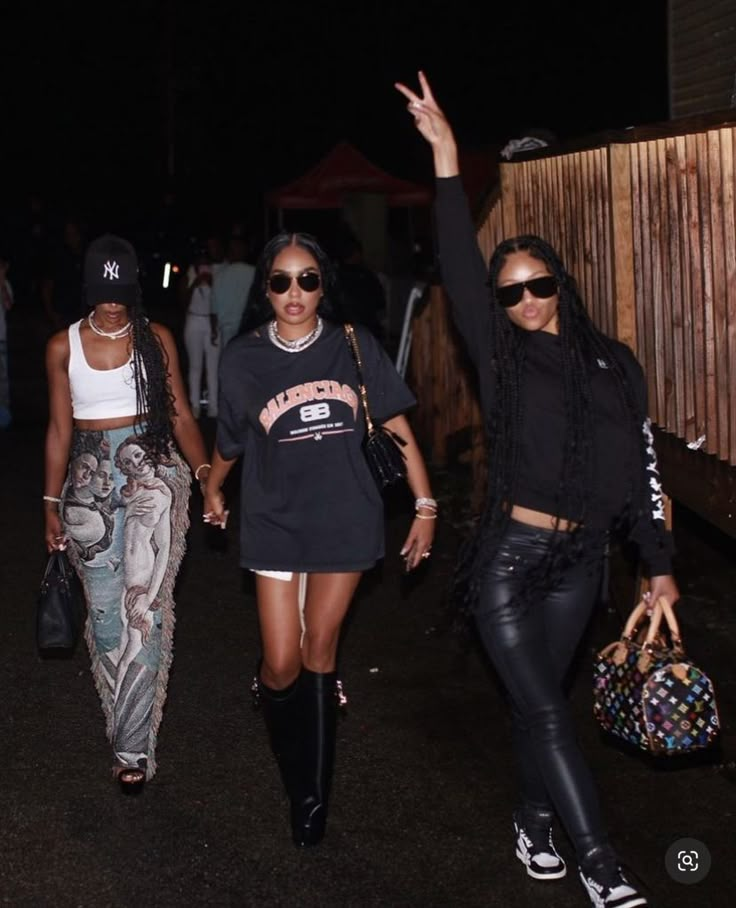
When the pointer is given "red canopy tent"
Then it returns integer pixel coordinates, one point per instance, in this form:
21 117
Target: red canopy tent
342 172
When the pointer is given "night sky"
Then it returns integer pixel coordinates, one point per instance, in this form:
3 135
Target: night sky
262 90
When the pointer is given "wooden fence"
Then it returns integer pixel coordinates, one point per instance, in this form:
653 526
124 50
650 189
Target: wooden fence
648 228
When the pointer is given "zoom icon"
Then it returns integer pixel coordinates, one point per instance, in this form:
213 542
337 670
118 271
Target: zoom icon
688 861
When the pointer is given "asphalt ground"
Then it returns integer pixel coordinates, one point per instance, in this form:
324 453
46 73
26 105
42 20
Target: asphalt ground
423 789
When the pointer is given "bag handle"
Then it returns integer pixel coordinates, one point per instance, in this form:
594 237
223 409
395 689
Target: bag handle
619 649
353 342
55 562
660 609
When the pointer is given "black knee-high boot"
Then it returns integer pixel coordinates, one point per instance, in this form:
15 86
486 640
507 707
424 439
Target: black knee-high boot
318 706
281 713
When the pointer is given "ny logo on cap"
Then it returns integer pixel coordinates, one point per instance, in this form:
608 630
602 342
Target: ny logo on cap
112 271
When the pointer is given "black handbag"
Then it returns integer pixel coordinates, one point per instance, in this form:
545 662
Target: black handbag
60 605
381 446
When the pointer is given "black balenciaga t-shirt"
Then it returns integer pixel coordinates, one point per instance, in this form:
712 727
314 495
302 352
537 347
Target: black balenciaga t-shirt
308 500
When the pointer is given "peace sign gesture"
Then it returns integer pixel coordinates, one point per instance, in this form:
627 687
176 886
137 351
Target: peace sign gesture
433 125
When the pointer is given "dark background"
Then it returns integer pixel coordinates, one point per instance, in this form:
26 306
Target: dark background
249 95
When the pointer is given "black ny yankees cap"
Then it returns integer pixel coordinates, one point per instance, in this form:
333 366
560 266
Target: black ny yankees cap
111 271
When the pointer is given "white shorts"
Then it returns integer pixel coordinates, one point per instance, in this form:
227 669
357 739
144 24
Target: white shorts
277 575
287 575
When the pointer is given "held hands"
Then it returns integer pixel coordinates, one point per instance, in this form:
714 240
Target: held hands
214 508
433 125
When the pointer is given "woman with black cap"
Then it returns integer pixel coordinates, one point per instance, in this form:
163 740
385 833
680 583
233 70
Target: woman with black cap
118 410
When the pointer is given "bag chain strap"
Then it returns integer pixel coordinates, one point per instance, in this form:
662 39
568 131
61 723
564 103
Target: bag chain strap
353 341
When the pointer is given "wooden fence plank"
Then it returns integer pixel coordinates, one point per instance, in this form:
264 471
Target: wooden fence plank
726 349
683 179
697 282
674 255
656 350
643 277
665 328
714 272
622 249
508 202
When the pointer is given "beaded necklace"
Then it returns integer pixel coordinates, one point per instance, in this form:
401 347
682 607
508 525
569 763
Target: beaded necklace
110 335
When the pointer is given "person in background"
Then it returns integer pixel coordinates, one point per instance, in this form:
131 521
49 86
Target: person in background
118 416
61 285
573 459
201 339
231 287
311 512
363 296
28 249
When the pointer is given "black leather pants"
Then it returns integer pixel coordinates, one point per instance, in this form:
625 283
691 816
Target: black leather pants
531 648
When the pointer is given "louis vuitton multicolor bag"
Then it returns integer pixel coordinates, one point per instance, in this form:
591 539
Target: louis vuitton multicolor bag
648 694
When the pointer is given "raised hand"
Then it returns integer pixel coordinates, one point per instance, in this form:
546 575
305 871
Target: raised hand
433 125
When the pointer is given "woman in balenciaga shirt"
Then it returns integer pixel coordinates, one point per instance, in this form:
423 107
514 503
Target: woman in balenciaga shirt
311 512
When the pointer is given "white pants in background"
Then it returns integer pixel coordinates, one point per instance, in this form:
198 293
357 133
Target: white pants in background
201 351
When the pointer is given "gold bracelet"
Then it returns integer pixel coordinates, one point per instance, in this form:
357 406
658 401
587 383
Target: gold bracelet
425 516
51 498
201 467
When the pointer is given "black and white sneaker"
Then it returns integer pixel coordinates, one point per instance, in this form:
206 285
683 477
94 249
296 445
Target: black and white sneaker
534 846
606 885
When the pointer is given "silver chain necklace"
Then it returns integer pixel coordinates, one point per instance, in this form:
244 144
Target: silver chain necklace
110 335
294 346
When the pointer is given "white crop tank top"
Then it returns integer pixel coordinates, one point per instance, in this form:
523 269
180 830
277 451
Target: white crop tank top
98 393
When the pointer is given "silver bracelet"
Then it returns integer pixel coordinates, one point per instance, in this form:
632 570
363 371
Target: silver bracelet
426 503
51 498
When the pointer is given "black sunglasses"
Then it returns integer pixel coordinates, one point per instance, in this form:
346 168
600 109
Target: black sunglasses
308 281
540 287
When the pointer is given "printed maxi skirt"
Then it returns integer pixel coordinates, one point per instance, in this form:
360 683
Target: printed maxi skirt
126 520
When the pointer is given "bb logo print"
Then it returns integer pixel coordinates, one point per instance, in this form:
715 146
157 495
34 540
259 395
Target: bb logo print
112 271
688 861
314 412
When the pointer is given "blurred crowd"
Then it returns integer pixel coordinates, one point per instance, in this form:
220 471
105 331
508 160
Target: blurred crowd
195 274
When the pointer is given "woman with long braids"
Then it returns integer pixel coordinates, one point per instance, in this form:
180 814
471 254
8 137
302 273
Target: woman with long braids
117 402
571 458
311 513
